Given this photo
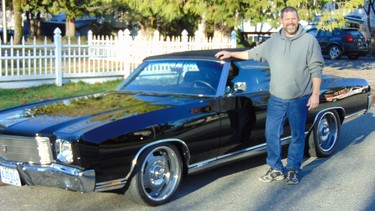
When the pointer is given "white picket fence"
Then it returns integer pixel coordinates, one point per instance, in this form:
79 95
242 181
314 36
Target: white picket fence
102 58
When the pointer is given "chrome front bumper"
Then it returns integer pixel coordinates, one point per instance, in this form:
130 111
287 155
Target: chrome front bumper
54 175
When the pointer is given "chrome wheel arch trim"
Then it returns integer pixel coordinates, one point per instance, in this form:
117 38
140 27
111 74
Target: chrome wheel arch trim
120 183
185 153
325 110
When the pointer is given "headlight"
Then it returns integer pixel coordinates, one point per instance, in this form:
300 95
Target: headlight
64 151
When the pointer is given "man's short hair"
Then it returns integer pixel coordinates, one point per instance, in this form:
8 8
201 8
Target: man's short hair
288 9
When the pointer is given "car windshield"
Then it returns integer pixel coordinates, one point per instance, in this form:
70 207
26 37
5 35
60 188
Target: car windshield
176 77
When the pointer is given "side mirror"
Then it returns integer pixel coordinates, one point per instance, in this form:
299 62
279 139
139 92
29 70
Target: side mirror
240 87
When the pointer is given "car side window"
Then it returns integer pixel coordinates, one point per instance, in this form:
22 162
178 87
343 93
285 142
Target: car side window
255 74
313 32
336 33
325 33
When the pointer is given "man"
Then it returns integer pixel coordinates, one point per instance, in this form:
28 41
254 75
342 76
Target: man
296 65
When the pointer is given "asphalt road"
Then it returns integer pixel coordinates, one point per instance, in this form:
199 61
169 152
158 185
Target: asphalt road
344 181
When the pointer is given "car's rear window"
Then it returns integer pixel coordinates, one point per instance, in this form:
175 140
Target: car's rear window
354 32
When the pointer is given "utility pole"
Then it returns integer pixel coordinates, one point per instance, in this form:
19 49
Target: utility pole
5 31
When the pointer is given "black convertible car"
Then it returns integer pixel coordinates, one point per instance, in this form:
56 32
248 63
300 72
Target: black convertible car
177 114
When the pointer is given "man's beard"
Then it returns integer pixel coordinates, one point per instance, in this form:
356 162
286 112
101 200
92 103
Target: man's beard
291 29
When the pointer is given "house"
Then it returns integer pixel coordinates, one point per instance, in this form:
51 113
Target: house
83 23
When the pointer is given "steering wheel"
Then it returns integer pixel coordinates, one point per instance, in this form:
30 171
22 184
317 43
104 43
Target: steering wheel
204 83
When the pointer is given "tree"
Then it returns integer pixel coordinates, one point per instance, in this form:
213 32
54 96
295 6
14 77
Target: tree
222 16
219 16
231 12
333 13
72 9
169 17
369 8
6 6
33 10
17 21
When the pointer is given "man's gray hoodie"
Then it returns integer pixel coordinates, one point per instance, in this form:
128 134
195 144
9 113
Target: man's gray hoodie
293 62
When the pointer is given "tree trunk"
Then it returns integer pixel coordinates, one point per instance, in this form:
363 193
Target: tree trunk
17 21
371 9
29 21
37 26
70 27
34 24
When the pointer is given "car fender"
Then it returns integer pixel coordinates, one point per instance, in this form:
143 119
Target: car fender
339 110
181 145
339 44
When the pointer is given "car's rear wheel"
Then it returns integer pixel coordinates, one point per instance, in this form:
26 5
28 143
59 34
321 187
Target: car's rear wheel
325 134
157 177
335 52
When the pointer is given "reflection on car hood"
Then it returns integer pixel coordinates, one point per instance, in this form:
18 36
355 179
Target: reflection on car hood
336 81
74 114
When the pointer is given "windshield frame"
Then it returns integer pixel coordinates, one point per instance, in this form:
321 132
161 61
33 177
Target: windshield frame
219 89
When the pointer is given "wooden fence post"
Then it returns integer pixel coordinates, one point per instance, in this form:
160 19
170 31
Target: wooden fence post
58 56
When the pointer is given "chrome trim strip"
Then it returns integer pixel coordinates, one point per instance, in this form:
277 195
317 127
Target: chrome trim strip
135 160
110 185
241 154
324 110
354 115
120 183
197 167
369 102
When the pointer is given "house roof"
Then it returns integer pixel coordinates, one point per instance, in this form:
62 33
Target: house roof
354 19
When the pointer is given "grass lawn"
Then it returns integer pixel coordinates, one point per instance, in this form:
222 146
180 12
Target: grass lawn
15 97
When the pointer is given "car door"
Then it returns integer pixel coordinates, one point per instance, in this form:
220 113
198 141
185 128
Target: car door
243 113
323 38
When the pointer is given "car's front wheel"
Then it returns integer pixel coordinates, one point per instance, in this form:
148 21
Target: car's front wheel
325 134
157 176
335 52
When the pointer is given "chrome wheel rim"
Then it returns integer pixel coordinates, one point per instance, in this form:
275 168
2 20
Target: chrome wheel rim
161 172
327 131
334 52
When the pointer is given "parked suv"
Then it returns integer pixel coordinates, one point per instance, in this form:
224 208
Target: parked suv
344 41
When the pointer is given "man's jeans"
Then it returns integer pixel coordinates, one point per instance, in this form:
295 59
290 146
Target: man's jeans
278 112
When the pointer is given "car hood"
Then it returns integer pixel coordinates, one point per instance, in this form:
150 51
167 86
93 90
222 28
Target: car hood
83 113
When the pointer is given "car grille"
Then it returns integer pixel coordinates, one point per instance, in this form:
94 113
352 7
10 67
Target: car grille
36 150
